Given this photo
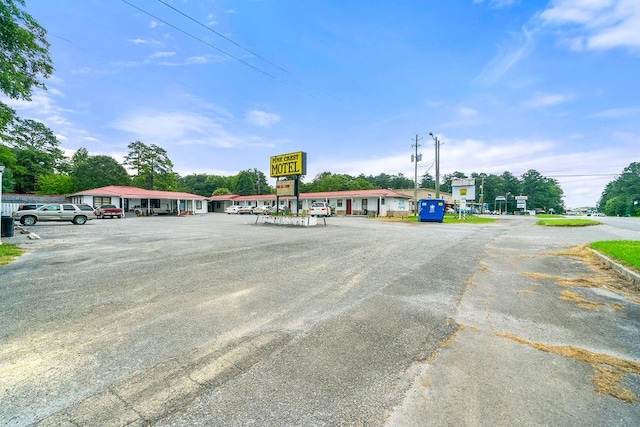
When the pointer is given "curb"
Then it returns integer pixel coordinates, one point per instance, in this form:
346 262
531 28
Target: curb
626 272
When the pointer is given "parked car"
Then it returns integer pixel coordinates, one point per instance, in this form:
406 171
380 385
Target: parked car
320 209
110 211
280 209
233 209
245 210
260 210
30 206
76 213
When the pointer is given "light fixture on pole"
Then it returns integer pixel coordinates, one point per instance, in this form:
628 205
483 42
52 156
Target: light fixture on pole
1 171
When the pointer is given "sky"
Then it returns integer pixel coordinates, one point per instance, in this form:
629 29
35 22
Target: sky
222 85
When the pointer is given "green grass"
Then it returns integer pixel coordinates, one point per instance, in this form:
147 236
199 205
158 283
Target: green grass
448 219
625 251
567 222
9 252
469 219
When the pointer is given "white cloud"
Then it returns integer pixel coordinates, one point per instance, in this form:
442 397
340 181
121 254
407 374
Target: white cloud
162 55
261 118
507 58
153 24
541 100
596 24
617 112
467 112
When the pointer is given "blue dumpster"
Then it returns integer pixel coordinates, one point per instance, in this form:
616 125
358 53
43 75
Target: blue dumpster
431 210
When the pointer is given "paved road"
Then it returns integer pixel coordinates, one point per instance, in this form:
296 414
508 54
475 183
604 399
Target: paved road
213 320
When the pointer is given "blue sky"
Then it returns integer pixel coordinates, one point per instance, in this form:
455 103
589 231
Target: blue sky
222 85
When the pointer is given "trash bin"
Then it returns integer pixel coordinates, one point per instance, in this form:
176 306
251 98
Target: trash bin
431 210
6 226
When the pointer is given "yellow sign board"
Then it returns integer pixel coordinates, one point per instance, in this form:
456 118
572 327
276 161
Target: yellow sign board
290 164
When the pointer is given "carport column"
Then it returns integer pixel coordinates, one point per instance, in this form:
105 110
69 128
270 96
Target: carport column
178 207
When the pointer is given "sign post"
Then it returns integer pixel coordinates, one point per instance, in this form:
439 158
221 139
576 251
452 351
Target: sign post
290 165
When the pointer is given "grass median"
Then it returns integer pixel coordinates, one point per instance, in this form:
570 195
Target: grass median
9 252
627 252
567 222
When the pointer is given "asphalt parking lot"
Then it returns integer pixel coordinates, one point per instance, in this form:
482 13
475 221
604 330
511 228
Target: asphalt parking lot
214 320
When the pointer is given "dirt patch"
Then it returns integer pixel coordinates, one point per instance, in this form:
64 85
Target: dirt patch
607 379
601 275
528 292
582 302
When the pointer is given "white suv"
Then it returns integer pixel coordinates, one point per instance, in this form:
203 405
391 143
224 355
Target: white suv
320 209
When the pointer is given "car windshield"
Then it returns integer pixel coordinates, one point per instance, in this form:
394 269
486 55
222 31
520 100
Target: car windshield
41 208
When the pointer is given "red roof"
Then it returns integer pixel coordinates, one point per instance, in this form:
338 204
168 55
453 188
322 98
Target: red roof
321 195
137 193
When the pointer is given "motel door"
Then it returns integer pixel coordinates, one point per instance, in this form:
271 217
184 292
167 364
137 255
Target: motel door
348 206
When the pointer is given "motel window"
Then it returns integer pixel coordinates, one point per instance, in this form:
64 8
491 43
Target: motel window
382 201
217 205
339 203
198 204
97 201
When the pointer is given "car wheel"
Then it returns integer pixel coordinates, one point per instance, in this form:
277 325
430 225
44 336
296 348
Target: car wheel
28 220
79 220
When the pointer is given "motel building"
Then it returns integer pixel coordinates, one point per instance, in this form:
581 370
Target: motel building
380 202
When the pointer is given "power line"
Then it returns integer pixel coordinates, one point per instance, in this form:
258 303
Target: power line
198 39
221 35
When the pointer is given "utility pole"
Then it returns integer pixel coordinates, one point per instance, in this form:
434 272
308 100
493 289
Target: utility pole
482 196
415 159
437 143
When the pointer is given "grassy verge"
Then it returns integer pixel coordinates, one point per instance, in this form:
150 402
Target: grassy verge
568 222
9 252
469 219
448 219
627 252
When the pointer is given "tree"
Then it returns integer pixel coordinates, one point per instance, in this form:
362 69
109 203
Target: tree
54 184
37 152
152 166
27 134
24 56
620 194
245 186
541 192
97 171
220 191
427 181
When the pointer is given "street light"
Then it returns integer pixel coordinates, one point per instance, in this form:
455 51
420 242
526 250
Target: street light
1 170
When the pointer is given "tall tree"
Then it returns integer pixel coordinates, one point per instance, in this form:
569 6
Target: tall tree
97 171
153 168
24 56
427 181
245 186
541 192
37 152
621 197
